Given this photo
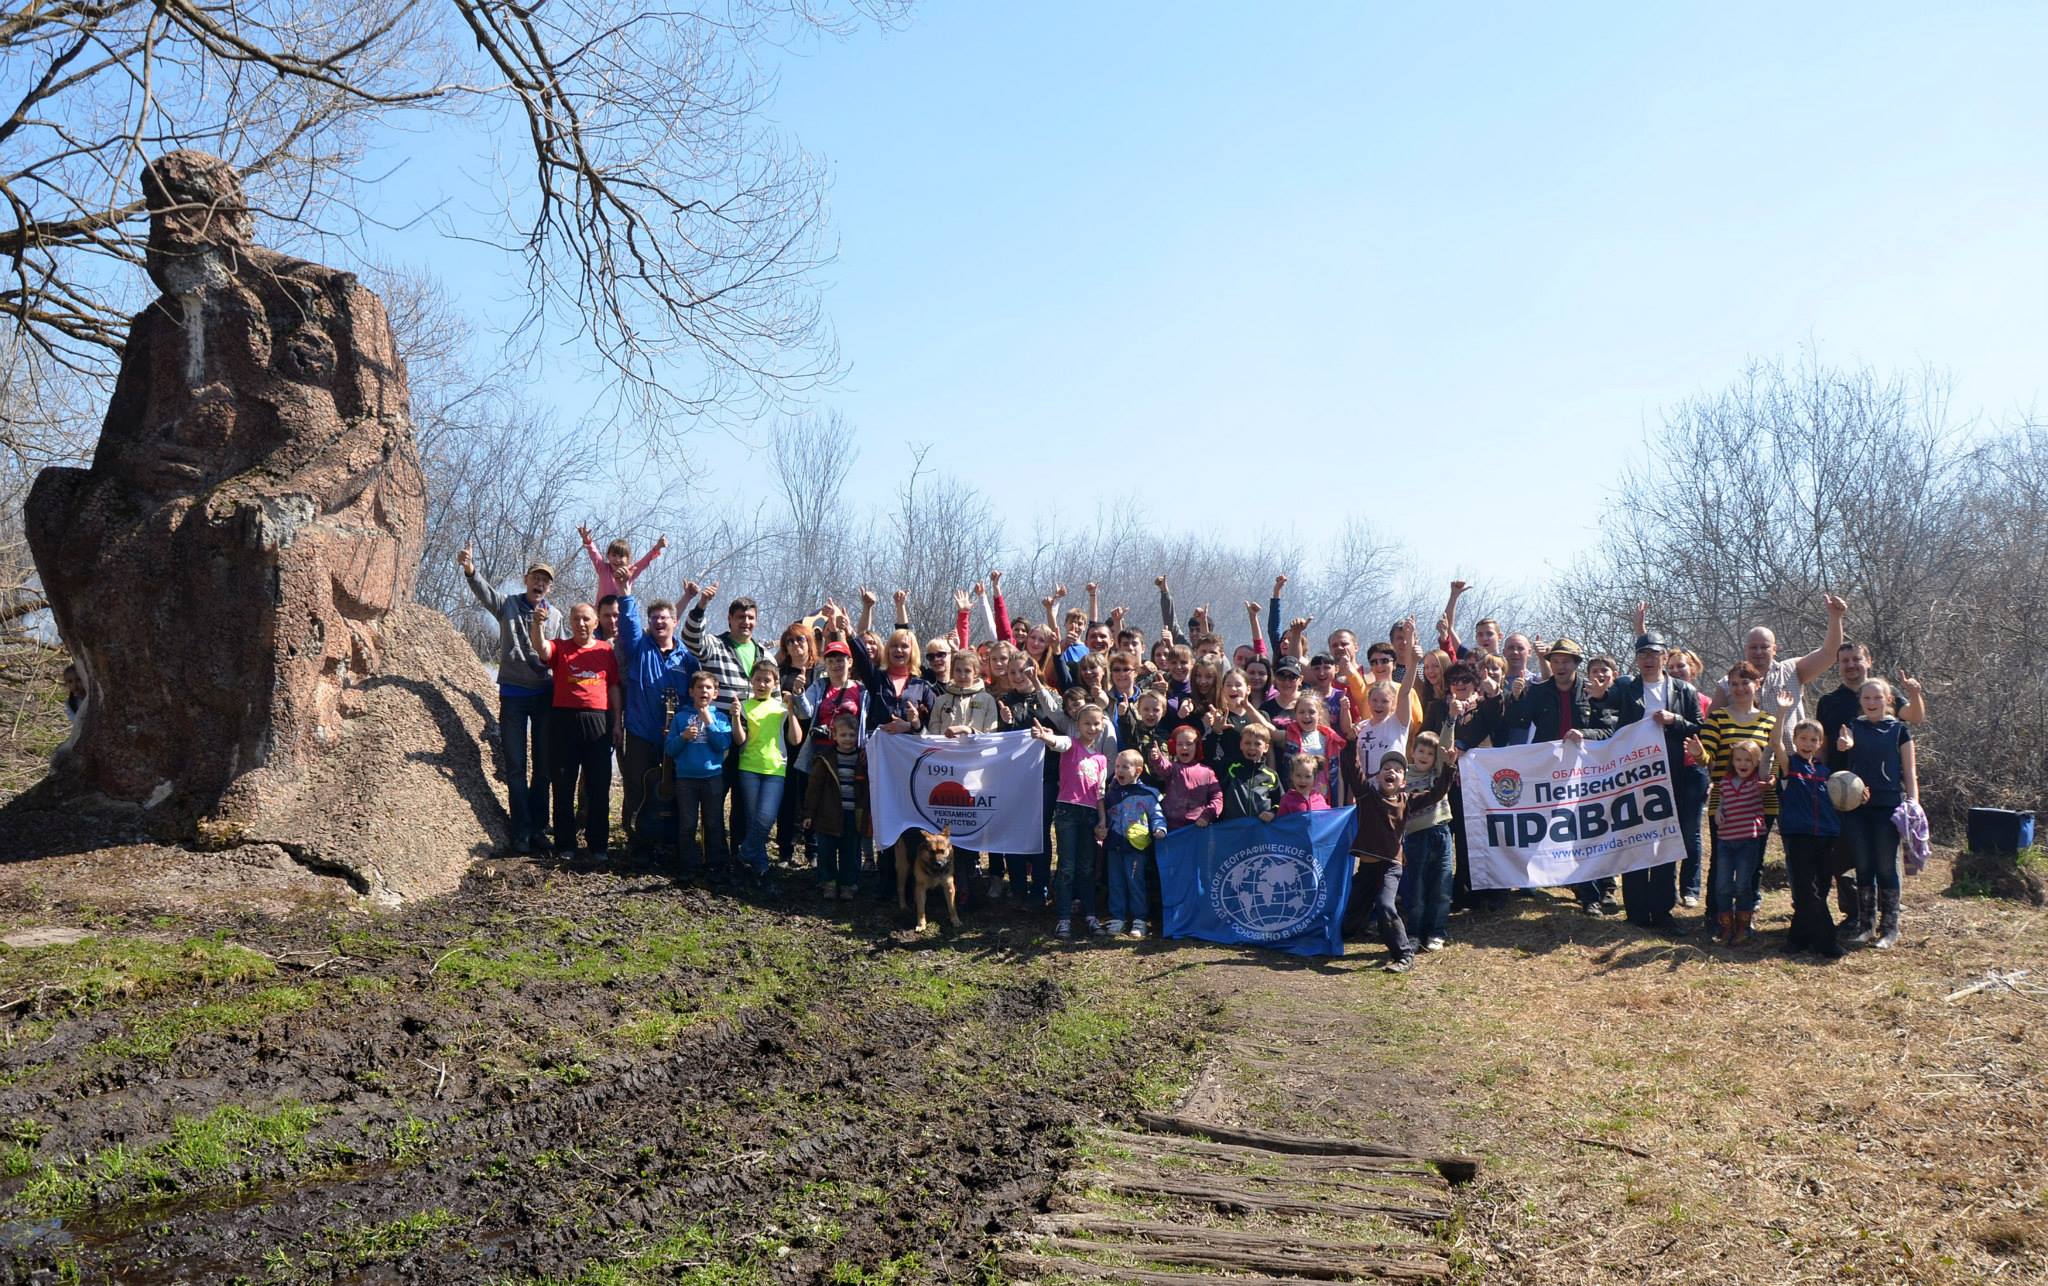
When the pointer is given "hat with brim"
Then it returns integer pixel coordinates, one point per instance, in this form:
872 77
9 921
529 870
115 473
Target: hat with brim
1651 642
543 569
1566 647
1288 668
837 648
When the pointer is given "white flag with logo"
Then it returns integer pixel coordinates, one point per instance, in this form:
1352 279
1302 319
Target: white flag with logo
1559 812
989 789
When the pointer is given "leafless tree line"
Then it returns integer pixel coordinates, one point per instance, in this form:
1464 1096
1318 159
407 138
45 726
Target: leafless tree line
1802 478
810 538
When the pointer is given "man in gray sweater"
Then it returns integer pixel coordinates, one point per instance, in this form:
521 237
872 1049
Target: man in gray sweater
525 692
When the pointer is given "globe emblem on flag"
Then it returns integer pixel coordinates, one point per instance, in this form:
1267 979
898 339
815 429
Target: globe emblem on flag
1269 893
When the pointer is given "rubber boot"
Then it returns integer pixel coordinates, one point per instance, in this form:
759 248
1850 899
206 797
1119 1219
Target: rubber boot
1724 921
1888 925
1740 934
1845 896
1866 915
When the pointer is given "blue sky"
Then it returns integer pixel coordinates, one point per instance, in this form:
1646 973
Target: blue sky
1359 260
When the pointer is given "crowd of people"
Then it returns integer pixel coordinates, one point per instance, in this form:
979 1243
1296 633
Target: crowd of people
1148 735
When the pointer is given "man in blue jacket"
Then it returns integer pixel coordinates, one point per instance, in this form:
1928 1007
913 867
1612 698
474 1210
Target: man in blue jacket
650 660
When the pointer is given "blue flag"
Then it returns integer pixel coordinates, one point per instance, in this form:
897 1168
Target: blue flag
1279 884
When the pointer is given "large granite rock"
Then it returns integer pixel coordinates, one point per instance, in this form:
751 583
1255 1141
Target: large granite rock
226 572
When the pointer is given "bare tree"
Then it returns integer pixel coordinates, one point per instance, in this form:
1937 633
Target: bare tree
659 218
1801 479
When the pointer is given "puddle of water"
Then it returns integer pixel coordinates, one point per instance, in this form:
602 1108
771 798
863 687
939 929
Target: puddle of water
32 1234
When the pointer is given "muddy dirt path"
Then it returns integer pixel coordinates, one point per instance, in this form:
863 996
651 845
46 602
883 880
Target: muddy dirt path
553 1077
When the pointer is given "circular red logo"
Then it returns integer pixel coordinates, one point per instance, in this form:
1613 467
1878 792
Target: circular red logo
951 794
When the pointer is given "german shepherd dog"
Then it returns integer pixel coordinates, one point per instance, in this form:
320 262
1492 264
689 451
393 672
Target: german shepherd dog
929 858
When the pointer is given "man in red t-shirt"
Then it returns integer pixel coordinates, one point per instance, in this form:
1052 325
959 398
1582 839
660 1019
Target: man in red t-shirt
586 705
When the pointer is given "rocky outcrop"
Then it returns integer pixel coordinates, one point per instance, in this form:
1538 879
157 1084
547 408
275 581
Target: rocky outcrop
227 571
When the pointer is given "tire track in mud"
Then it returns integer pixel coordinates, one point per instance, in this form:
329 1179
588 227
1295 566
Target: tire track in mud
830 1122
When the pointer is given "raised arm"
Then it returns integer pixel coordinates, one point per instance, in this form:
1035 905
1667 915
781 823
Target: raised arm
597 563
647 559
988 614
867 617
490 598
1450 621
902 597
963 618
1814 663
692 632
1004 630
1094 602
1273 610
537 629
1166 611
1405 699
1915 709
1251 614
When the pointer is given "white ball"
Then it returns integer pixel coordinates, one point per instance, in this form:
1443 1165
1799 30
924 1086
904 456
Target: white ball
1845 791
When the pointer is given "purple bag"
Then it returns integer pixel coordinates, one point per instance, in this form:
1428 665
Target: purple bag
1911 820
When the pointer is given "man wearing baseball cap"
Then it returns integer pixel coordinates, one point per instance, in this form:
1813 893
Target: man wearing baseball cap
525 694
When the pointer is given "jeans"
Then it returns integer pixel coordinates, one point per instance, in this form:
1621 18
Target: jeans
839 855
789 827
1692 802
1737 864
1876 842
1809 865
1126 880
1074 876
640 766
523 721
1377 887
761 802
701 801
1426 880
582 746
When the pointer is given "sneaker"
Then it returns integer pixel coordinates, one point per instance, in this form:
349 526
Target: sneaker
1137 928
1690 901
1064 929
1434 944
1608 906
1590 908
829 890
1114 927
1094 925
1399 964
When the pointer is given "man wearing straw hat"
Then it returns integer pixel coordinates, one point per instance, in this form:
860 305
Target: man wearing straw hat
1560 710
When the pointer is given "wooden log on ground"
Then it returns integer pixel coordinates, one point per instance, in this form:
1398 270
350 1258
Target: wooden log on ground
1239 1201
1187 1145
1239 1238
1458 1169
1268 1261
1320 1179
1020 1262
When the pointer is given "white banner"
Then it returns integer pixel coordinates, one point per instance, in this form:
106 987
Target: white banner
1558 813
989 788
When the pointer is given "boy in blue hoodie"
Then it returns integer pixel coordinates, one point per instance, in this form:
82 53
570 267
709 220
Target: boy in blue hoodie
1131 822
